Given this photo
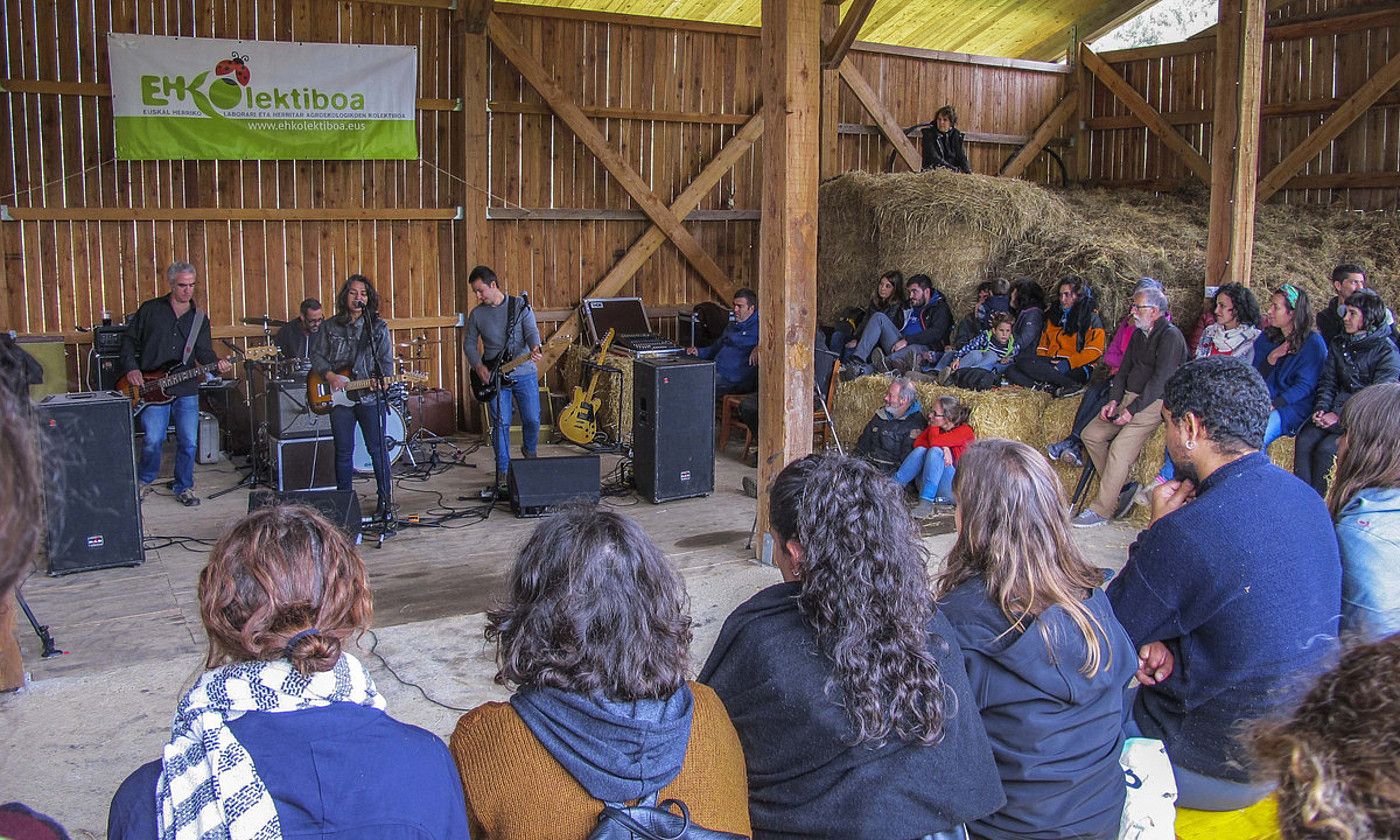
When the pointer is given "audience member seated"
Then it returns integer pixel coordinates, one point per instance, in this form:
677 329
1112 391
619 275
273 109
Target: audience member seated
1290 355
1048 661
736 353
926 324
934 458
1134 408
1232 593
887 297
891 433
1347 280
1071 449
286 735
1334 757
595 635
1070 344
844 681
943 142
990 351
1365 502
1363 355
1028 305
993 296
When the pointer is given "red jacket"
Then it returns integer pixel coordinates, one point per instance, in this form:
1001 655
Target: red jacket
955 439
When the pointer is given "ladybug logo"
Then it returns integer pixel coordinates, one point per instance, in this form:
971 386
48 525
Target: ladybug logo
237 66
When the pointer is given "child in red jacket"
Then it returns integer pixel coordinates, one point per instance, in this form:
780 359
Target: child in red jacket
935 455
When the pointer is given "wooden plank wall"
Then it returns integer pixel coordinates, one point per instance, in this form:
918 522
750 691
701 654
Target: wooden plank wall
1305 77
59 154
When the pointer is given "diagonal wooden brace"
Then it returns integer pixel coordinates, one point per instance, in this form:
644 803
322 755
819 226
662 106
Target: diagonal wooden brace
889 127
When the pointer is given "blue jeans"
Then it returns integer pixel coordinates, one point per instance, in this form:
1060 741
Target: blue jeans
937 481
878 330
525 387
370 417
155 420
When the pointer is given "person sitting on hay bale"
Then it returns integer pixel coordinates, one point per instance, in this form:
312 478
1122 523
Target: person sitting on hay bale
1134 408
887 298
927 323
993 296
943 143
1289 355
1070 344
990 353
1347 280
736 353
1232 594
890 434
935 455
1028 305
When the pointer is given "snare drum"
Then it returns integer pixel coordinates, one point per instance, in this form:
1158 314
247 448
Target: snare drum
394 429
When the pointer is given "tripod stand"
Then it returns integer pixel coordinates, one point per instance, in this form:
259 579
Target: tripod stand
41 630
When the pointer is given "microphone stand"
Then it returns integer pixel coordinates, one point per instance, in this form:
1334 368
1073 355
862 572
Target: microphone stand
385 523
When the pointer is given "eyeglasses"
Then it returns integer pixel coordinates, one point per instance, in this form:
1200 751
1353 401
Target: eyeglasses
1138 307
938 414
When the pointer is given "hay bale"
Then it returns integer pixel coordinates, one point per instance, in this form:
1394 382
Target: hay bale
1006 413
846 250
607 392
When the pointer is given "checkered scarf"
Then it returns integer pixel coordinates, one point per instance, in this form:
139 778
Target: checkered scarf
208 786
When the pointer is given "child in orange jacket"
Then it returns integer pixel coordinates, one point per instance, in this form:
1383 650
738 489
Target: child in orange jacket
935 455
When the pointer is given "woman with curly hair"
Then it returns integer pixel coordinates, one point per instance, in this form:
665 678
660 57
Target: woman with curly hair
1365 503
596 635
844 681
1335 758
1048 661
286 734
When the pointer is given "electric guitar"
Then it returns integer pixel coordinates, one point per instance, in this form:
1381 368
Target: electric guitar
321 397
486 390
152 390
579 421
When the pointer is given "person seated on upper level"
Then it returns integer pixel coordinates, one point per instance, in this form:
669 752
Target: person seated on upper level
943 142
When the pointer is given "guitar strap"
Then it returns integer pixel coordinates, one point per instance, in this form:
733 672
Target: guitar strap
511 315
195 326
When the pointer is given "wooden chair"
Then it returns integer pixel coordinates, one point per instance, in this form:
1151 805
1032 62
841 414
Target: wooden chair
728 419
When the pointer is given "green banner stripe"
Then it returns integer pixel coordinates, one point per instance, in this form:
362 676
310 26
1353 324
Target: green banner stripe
192 138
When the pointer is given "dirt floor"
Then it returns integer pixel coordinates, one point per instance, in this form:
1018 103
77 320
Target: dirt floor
135 643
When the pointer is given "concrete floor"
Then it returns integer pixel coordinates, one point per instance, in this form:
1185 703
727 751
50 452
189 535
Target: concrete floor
135 642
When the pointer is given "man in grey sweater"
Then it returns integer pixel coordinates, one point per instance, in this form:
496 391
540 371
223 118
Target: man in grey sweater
486 326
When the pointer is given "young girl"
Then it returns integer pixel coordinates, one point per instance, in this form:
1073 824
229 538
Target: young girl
993 349
1049 663
887 298
935 455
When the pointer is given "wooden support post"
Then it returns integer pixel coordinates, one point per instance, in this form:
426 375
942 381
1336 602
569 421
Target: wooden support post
11 665
1234 145
1340 121
831 99
475 155
1047 129
1084 92
1153 120
787 267
889 127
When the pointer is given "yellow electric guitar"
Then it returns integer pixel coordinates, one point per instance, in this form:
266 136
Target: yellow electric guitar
579 422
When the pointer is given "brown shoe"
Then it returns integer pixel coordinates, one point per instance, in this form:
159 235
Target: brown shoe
187 498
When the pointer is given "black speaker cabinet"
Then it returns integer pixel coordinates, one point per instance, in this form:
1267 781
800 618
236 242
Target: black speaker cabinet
302 463
104 372
537 484
92 504
341 507
673 427
287 414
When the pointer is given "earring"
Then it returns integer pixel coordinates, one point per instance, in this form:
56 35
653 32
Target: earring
1190 444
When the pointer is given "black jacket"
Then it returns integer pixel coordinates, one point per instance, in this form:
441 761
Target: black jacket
1352 364
155 338
1149 362
805 778
887 440
1329 323
935 322
945 151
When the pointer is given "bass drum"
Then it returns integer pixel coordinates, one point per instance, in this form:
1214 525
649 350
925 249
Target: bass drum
394 429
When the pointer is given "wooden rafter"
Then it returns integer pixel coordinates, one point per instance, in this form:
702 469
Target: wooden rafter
840 43
647 244
1100 19
1340 121
1059 115
1145 112
889 127
554 96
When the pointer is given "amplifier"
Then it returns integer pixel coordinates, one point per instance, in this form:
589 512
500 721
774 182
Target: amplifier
108 340
287 414
673 427
104 371
342 508
302 463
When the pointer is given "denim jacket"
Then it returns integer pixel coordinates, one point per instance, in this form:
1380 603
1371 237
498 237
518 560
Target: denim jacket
1368 533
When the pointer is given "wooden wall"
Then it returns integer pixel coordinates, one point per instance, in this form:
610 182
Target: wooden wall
1316 54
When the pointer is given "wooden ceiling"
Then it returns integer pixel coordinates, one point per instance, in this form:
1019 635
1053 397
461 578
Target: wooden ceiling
1034 29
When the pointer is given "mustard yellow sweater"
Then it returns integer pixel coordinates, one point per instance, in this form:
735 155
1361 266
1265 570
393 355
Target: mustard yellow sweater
516 790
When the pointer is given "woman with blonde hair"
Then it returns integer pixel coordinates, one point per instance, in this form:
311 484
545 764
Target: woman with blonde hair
285 734
1364 500
1048 661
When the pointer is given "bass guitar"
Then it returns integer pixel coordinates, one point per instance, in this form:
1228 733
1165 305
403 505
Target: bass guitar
579 421
152 390
486 390
321 397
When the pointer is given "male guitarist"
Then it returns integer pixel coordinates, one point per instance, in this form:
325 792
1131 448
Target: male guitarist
158 336
345 350
488 323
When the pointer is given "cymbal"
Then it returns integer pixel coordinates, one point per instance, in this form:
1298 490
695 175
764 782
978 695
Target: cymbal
263 321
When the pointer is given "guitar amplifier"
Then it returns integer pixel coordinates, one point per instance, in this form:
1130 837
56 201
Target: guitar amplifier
287 413
302 463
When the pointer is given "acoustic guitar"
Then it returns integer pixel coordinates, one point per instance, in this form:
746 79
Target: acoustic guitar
579 421
152 390
321 397
486 390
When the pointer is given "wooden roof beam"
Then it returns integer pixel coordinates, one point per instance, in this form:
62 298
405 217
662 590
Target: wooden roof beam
840 43
1096 22
889 127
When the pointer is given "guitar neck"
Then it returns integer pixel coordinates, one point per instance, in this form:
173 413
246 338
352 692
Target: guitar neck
182 376
361 384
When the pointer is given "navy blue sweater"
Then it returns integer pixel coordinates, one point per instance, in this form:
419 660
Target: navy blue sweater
1056 733
805 777
1244 585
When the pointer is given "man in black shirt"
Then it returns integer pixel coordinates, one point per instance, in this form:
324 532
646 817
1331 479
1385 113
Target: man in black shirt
155 338
295 339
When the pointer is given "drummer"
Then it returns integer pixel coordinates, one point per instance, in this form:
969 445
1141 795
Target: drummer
294 340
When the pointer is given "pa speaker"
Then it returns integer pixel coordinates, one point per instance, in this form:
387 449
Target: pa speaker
92 505
538 484
341 507
673 427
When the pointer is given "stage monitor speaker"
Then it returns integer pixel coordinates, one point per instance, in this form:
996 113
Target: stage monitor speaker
92 503
287 414
538 484
302 463
673 427
341 507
